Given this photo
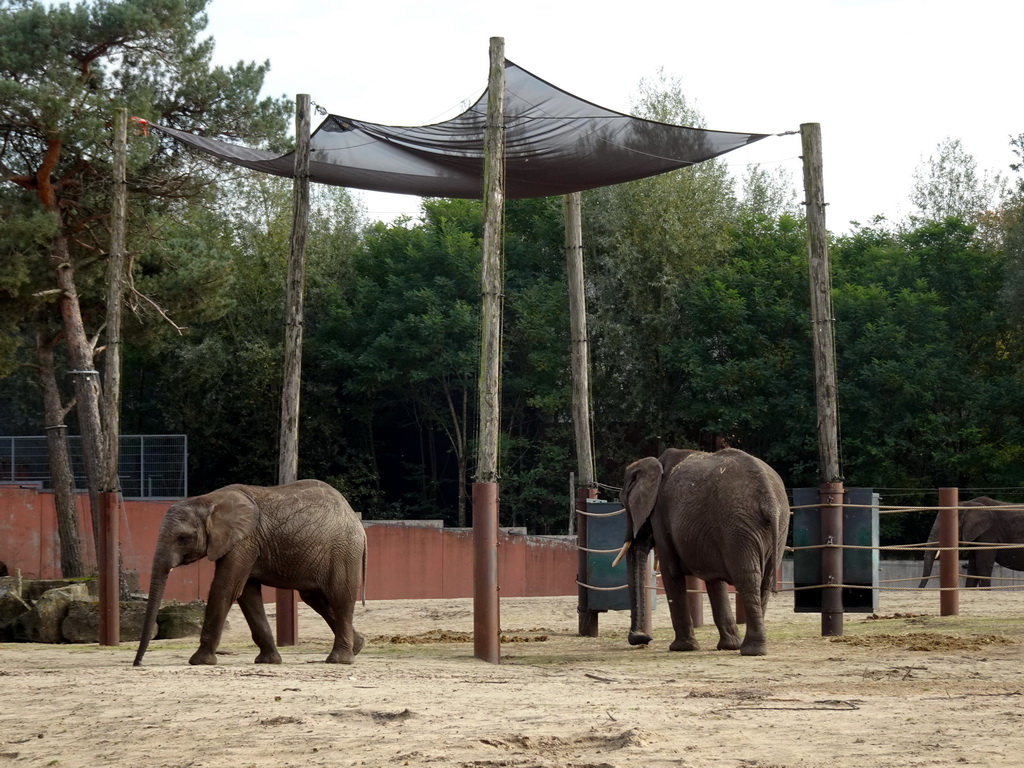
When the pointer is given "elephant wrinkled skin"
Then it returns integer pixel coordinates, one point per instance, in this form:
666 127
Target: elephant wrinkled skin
985 522
303 536
722 517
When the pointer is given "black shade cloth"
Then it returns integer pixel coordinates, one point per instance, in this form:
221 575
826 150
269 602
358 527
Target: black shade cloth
555 143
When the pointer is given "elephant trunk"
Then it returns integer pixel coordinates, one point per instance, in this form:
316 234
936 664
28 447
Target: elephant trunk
157 582
929 555
636 568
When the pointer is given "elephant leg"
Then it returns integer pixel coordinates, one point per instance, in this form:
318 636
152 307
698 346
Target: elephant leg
347 642
984 563
728 631
678 606
748 587
225 588
251 603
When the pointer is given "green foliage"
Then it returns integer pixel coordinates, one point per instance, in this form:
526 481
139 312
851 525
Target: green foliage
928 370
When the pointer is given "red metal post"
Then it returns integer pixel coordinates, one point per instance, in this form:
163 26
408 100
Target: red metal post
287 617
831 508
741 610
486 621
949 554
587 619
695 600
110 593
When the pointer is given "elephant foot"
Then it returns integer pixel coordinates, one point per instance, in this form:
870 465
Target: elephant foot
358 641
268 657
729 642
754 648
638 638
684 644
341 657
203 657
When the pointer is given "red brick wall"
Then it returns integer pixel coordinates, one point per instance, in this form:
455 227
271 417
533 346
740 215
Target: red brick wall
405 560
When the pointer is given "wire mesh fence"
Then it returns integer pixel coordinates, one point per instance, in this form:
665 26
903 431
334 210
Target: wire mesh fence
151 466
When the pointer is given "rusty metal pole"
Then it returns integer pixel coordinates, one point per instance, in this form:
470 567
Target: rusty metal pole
109 583
587 619
831 501
695 600
741 610
949 554
486 622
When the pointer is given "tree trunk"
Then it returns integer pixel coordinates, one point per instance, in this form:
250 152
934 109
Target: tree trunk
71 563
85 376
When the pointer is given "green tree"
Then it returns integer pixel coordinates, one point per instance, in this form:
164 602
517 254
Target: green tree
949 184
403 341
642 241
928 370
65 69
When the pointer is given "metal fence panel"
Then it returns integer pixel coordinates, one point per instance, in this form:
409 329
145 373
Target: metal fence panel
150 466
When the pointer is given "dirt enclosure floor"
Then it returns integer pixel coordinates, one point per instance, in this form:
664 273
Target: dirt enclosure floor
904 688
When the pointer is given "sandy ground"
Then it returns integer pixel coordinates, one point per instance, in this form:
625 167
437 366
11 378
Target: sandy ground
905 688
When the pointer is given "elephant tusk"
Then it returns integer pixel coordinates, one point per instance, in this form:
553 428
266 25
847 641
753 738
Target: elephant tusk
622 553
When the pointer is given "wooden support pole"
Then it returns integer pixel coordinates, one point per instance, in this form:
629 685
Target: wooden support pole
822 321
485 513
288 445
580 351
109 554
825 389
949 553
580 357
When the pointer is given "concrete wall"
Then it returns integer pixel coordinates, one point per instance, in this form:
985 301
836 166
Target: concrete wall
405 560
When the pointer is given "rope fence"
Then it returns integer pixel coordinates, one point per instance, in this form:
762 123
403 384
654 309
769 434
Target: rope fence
993 583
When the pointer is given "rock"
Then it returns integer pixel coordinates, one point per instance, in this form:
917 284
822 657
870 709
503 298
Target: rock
82 623
181 620
12 608
35 588
13 583
42 623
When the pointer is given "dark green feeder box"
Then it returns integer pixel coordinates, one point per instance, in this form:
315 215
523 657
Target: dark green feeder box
860 566
605 533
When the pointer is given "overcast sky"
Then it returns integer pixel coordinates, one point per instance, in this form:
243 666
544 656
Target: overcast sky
888 80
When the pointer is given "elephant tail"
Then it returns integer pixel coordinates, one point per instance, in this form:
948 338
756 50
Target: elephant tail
365 548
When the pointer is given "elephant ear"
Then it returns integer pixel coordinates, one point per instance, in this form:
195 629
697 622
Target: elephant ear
640 490
976 523
232 517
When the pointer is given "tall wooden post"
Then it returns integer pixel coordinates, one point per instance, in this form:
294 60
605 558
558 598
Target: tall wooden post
822 325
109 554
580 355
288 445
949 554
486 621
580 344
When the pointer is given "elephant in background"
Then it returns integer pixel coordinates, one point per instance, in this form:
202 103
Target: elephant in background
985 522
302 536
722 517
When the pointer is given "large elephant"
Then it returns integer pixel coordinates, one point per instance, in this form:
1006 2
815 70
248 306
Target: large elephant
722 517
985 523
302 536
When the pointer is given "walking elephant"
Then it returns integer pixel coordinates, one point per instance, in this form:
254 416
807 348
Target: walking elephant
986 523
302 536
722 517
